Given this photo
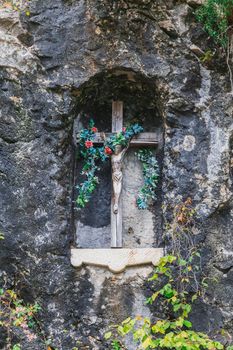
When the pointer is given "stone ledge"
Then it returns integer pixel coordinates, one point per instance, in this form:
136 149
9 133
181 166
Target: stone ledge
116 259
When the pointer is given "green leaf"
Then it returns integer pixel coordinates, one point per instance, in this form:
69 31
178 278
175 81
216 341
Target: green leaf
116 345
194 297
16 347
187 324
176 307
107 335
127 320
204 284
154 277
182 262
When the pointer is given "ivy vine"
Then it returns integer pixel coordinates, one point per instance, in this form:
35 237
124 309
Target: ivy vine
151 176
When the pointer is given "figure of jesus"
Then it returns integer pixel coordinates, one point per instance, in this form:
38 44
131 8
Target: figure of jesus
117 163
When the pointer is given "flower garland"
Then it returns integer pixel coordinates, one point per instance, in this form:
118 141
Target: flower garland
92 155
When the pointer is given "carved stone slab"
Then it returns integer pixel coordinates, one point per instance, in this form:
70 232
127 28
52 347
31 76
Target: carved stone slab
116 259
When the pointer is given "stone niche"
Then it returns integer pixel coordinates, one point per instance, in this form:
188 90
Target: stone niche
141 104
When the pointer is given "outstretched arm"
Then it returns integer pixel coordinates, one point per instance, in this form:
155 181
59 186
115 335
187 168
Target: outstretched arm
124 151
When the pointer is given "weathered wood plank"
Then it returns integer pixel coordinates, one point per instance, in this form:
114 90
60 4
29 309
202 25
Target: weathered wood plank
116 225
117 116
145 138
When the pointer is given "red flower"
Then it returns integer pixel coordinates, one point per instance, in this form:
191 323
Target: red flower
88 144
94 129
108 150
124 129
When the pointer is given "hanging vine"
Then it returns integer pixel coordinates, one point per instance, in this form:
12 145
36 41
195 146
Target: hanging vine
151 176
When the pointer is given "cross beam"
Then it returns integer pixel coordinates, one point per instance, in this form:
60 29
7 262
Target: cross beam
142 139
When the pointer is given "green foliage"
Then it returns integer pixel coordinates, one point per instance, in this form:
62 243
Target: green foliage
151 176
177 284
93 155
14 313
116 345
107 335
16 347
17 5
216 17
175 331
207 57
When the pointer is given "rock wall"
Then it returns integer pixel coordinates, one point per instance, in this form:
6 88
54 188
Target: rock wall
45 59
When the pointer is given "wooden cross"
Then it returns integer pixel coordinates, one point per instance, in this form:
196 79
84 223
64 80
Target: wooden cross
142 139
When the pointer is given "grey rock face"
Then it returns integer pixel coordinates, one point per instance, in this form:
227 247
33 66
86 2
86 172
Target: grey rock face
46 58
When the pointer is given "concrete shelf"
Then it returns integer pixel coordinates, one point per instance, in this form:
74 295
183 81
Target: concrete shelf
116 259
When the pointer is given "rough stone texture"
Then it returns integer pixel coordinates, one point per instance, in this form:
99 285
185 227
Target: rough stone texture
45 59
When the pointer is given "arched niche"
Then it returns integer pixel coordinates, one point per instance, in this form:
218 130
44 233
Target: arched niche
141 229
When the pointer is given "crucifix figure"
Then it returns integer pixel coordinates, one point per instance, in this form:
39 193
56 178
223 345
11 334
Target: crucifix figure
143 139
117 162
